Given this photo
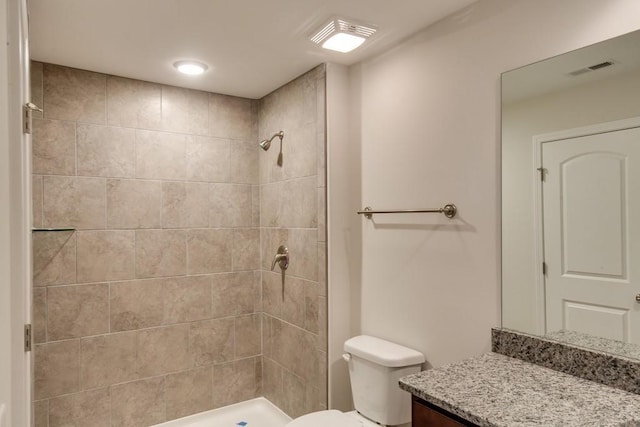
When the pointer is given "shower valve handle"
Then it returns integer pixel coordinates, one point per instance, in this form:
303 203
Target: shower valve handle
281 258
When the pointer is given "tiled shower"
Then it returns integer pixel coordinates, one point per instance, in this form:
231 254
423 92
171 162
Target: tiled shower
160 303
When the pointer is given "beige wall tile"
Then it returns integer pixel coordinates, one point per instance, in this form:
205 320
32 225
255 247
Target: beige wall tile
187 299
233 294
90 408
71 94
185 205
322 323
54 258
294 304
248 335
160 253
321 90
107 359
271 200
295 391
133 103
272 386
74 202
36 201
291 105
291 108
321 159
312 302
211 341
54 147
77 311
138 403
257 291
230 205
290 204
322 215
243 162
210 250
185 110
271 239
303 249
207 159
302 243
163 350
235 382
161 155
322 269
36 83
246 249
322 380
136 304
255 206
56 368
105 255
231 117
272 292
189 392
300 151
39 318
133 203
280 341
41 413
106 151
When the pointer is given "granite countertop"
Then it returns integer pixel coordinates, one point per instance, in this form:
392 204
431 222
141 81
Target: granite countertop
496 390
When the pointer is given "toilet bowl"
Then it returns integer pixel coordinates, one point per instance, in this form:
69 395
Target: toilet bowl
375 366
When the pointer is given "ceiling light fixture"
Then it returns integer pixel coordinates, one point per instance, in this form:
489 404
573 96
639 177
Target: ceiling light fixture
192 68
342 35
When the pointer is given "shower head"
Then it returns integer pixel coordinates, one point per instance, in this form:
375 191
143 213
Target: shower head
266 143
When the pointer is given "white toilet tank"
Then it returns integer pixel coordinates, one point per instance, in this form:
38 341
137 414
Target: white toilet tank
375 366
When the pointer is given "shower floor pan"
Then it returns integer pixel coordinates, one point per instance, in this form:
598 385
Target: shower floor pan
251 413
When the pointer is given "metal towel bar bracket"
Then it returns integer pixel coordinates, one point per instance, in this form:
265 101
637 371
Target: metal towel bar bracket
449 210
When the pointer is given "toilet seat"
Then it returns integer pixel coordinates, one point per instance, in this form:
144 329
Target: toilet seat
331 417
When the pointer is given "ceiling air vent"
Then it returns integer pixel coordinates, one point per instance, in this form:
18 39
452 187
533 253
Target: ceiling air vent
590 68
342 35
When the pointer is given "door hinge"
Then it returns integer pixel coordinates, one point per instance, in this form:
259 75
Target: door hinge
544 268
542 172
27 116
27 337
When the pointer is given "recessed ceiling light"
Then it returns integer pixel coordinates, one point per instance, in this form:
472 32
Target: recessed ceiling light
192 68
342 35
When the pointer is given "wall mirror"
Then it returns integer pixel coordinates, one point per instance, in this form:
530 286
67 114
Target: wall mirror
571 197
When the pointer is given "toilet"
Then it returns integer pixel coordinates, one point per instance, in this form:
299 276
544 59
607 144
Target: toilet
375 366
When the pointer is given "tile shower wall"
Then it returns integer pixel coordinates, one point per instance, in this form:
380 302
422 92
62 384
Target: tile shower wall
292 200
152 309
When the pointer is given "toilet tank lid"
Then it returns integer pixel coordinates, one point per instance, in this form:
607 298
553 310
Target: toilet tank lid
382 352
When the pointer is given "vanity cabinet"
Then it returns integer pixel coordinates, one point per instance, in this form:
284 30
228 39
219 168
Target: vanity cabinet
424 414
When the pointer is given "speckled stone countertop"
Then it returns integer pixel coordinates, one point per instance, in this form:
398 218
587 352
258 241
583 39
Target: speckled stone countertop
623 349
495 390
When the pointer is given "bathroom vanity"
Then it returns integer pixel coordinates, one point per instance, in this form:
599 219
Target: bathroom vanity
500 391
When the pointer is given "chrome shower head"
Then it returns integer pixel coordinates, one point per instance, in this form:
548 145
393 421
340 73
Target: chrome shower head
266 143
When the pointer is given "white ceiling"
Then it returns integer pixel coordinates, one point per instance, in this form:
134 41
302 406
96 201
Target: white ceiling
552 74
251 46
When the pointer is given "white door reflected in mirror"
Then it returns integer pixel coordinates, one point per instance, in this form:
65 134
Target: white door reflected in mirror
591 222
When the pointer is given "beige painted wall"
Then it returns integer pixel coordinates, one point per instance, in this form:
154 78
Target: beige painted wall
588 104
429 130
